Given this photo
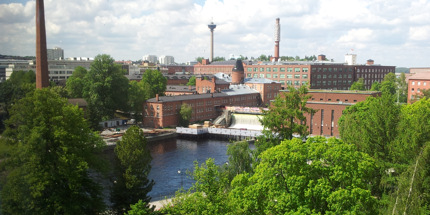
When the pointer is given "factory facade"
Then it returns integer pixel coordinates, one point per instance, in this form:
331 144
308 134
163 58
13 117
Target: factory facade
318 74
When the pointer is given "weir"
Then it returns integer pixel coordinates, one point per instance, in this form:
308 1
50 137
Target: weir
243 126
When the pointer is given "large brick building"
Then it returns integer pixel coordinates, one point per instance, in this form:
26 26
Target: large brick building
164 111
329 105
320 74
416 84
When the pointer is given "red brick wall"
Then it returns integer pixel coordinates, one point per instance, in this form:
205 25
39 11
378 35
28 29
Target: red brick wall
415 88
203 109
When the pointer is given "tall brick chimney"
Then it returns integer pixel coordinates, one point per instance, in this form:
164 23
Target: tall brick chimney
42 76
277 39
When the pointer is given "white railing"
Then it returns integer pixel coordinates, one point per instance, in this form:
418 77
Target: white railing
221 131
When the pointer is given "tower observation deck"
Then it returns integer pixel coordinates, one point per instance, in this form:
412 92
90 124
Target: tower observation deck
212 26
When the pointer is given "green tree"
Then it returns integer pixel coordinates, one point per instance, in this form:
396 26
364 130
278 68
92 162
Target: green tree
185 115
132 169
412 195
192 81
75 83
376 86
372 126
402 87
217 58
105 89
358 85
285 117
207 196
321 176
239 159
137 95
389 84
16 87
155 82
199 59
263 57
53 150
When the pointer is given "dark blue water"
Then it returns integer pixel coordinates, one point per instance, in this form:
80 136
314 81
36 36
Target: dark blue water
172 158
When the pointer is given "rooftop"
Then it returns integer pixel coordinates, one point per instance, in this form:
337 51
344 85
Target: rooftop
180 88
420 76
235 90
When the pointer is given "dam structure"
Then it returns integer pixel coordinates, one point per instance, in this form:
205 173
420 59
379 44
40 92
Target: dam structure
229 125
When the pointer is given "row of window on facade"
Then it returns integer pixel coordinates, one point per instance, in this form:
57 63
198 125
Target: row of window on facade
60 72
249 75
329 83
331 76
419 83
275 69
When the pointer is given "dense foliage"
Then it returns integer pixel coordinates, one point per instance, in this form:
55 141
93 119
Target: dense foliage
52 151
105 89
155 82
185 115
133 164
321 175
285 117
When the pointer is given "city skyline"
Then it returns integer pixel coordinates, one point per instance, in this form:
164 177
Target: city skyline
395 33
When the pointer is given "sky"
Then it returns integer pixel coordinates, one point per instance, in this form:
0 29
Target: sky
391 32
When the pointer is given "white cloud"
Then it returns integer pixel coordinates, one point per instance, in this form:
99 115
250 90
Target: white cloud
128 29
420 33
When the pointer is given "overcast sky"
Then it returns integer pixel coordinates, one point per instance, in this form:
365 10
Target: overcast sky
391 32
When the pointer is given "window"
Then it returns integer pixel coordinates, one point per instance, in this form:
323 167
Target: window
275 69
413 82
249 69
282 82
419 83
296 69
289 82
268 76
305 76
290 76
305 69
304 82
425 83
255 75
255 69
297 83
289 69
275 75
268 69
282 76
297 76
249 75
261 69
324 76
282 69
329 76
261 75
319 76
418 90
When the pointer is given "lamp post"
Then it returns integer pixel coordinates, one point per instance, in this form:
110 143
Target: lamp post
180 175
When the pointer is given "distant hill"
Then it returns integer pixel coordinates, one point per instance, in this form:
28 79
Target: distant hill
10 57
402 69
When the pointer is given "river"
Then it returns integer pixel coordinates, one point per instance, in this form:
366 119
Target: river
173 157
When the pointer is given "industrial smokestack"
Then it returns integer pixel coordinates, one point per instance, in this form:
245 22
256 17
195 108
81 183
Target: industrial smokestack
277 38
212 26
42 76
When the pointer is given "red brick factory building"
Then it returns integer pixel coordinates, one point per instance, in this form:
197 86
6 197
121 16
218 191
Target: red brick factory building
320 74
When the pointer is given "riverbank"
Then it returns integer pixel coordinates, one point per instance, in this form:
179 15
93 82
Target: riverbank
113 135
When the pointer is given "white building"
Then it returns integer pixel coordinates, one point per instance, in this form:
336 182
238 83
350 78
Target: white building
55 54
58 69
150 58
351 59
166 60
